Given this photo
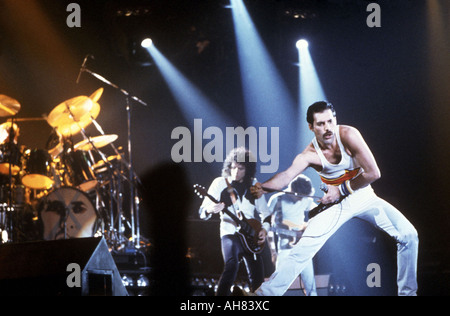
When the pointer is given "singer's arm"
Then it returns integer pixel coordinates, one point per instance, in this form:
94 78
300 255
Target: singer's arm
282 179
360 151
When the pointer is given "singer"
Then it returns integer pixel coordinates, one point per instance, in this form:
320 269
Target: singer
346 165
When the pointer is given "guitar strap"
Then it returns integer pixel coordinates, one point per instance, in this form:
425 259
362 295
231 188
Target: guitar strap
233 198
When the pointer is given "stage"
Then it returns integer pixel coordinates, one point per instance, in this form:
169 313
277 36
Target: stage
103 135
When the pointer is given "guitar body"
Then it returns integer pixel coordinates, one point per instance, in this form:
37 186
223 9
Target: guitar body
290 230
249 233
248 228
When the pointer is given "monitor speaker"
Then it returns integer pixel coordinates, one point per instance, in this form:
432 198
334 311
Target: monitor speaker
70 267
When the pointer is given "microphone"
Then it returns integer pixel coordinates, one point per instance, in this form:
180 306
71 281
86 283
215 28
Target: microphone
83 66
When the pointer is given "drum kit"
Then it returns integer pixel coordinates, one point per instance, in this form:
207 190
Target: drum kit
67 190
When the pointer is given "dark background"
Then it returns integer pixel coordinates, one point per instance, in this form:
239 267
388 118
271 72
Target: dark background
389 82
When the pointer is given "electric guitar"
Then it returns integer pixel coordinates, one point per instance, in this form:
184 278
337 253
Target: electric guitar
248 228
289 229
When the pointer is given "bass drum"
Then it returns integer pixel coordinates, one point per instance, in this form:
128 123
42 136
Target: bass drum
67 213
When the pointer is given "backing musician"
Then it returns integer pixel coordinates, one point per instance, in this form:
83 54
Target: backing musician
237 177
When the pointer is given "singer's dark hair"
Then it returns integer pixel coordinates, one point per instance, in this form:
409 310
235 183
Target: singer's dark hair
319 107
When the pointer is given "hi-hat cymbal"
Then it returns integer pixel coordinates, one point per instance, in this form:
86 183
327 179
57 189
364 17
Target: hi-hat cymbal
98 142
8 106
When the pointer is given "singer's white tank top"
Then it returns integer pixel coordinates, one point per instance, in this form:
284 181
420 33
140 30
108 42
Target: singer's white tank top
336 174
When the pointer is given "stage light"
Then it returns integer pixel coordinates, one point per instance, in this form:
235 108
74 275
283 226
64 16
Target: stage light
127 280
143 281
146 43
302 44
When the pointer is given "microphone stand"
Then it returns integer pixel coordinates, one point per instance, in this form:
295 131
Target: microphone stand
134 204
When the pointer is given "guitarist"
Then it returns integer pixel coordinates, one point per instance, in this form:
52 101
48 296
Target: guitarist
291 213
347 166
232 189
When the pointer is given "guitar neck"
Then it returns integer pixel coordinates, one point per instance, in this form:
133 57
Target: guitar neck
225 210
299 195
233 217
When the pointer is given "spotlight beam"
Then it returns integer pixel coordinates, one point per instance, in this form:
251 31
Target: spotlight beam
310 86
266 96
193 103
268 103
310 91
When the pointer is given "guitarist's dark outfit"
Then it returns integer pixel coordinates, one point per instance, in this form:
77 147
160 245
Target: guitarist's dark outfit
233 249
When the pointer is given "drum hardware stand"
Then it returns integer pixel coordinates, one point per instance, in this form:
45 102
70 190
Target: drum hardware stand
134 211
8 212
102 156
64 221
9 107
116 192
115 236
115 186
119 190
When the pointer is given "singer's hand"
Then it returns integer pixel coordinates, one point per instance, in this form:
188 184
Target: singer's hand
257 190
332 195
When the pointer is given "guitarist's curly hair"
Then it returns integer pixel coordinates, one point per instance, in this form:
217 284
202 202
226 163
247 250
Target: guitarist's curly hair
242 156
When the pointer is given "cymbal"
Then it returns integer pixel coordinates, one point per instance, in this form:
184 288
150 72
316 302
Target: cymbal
69 111
96 95
8 106
6 126
98 142
73 115
4 131
84 121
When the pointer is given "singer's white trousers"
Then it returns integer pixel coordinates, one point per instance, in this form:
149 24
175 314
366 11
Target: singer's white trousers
363 204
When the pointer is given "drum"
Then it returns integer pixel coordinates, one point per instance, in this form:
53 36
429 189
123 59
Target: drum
102 170
16 196
38 170
10 156
79 166
54 144
67 213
